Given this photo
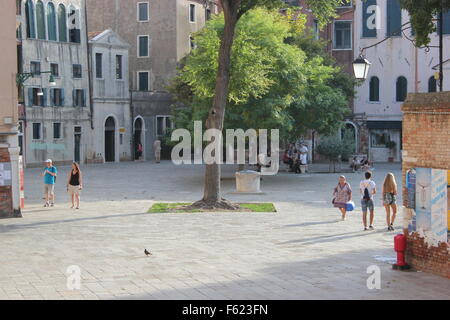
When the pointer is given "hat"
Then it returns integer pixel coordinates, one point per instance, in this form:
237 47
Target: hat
48 160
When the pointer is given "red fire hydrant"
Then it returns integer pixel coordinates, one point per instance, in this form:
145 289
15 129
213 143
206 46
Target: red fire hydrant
400 248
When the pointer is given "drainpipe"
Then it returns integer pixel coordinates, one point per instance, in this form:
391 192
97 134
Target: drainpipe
91 105
132 126
417 69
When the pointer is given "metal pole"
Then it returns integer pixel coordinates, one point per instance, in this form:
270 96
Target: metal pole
441 48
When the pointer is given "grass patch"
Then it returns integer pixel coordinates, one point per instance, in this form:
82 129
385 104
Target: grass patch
178 207
259 207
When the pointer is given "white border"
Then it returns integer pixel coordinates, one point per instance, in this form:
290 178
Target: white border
148 11
61 131
334 35
195 13
137 80
138 45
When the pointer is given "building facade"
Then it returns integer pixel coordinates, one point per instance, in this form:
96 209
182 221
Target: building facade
340 43
110 97
160 33
397 68
9 148
56 118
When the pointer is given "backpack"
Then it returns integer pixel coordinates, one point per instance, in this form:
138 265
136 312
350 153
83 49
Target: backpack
366 195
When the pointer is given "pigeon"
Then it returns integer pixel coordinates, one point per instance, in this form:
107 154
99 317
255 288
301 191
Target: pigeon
146 252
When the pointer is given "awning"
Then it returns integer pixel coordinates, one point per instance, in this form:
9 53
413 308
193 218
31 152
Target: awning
384 125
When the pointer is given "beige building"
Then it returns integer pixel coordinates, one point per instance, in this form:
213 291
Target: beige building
160 34
9 149
56 121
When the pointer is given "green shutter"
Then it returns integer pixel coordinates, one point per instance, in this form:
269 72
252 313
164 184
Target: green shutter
402 89
62 97
52 97
394 18
51 21
84 98
374 94
40 20
30 97
44 98
368 33
62 23
446 17
29 13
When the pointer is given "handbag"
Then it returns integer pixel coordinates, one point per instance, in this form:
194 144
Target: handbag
350 206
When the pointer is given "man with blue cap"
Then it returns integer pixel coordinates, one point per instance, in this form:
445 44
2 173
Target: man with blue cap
49 175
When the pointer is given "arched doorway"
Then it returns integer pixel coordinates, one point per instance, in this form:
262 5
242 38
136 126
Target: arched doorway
349 131
110 139
138 138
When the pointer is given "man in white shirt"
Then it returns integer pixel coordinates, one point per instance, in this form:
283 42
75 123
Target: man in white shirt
367 188
157 150
304 154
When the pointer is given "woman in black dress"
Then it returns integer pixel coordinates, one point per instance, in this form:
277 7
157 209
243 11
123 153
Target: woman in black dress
75 184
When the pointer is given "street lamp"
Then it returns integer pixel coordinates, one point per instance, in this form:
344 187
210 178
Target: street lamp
51 81
361 67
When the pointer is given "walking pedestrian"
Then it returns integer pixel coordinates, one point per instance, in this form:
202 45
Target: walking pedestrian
342 194
389 191
49 174
303 154
75 184
367 188
139 151
157 150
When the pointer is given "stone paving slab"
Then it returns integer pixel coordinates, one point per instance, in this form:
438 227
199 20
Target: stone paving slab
301 252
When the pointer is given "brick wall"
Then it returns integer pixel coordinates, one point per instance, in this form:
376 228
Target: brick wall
426 144
430 259
6 207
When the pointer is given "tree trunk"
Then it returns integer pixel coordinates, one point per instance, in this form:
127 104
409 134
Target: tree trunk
217 112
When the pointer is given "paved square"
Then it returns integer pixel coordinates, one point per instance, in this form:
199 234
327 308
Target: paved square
302 252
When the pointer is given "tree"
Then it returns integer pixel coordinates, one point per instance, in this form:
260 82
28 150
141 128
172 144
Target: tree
233 10
280 78
422 13
335 148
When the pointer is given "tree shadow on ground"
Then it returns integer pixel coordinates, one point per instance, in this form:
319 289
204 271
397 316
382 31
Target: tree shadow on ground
314 223
332 237
340 276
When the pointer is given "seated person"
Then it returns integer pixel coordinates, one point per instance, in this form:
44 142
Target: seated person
365 165
354 164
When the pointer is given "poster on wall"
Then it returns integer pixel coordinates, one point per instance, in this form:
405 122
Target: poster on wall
431 202
411 200
448 203
5 174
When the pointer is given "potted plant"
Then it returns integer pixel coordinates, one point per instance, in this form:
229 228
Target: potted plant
391 146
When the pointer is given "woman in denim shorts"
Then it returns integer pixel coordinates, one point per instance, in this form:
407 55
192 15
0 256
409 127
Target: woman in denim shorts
389 199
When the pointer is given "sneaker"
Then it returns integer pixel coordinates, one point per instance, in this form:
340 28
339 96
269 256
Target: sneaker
365 229
370 227
45 205
52 204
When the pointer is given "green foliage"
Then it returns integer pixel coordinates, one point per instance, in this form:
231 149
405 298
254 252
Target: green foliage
278 79
390 144
324 10
335 148
330 147
422 13
179 207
